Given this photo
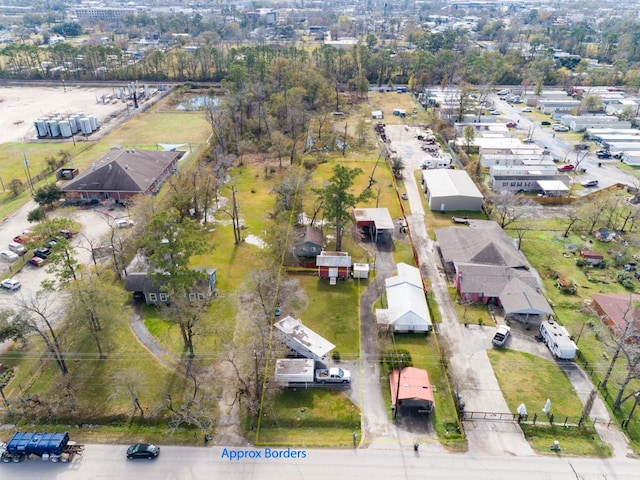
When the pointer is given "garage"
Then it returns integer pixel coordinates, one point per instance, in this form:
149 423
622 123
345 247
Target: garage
450 190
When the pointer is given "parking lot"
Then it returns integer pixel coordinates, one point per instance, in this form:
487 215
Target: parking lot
95 225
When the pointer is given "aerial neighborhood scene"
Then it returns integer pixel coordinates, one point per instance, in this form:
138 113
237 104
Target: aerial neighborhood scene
377 235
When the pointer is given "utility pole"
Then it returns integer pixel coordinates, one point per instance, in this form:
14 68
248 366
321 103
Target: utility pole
26 166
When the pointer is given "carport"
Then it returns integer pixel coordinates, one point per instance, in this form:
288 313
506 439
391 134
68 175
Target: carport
411 389
374 220
553 188
520 300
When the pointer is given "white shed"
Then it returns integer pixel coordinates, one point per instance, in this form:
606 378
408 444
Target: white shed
360 270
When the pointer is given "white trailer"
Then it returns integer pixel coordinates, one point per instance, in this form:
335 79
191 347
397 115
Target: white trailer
558 340
303 340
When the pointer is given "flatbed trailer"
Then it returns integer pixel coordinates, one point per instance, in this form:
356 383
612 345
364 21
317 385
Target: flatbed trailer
54 447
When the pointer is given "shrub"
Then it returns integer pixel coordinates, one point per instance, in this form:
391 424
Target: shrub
396 358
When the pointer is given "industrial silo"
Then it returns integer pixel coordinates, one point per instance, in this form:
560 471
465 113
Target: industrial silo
94 122
41 127
65 128
85 126
73 122
54 129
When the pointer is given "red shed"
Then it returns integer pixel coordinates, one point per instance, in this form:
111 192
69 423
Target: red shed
333 265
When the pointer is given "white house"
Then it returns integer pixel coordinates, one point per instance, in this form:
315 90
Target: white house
407 309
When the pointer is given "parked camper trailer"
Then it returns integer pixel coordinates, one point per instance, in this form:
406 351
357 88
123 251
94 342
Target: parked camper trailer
558 340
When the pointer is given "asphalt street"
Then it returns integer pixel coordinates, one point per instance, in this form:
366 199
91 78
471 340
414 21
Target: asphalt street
182 463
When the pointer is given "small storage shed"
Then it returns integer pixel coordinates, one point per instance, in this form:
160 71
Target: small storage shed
360 270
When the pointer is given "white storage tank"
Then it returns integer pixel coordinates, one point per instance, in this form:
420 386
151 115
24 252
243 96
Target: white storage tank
85 126
65 128
94 122
41 127
54 129
73 122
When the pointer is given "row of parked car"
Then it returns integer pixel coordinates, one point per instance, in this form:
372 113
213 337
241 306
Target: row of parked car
17 248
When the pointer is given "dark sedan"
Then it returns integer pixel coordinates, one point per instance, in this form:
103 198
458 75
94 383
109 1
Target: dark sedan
143 450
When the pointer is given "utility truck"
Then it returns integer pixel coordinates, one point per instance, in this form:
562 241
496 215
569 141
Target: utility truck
302 371
54 447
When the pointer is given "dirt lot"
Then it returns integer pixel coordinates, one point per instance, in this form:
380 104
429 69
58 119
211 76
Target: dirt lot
21 106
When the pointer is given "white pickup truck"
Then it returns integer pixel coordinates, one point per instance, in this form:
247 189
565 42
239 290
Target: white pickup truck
296 371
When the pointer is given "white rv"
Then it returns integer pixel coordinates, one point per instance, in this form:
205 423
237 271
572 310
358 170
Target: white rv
558 340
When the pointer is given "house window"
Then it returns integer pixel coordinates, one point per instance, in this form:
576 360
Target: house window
153 297
201 296
164 297
505 184
312 249
513 184
192 297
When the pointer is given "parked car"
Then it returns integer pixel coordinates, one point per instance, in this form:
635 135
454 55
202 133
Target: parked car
65 233
18 248
495 112
617 155
10 284
603 154
8 256
37 261
123 223
581 146
512 124
528 140
567 167
545 123
42 252
404 196
143 450
560 128
590 183
527 110
23 239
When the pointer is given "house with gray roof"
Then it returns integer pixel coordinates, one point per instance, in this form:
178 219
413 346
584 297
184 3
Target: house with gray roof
122 174
311 243
143 286
486 267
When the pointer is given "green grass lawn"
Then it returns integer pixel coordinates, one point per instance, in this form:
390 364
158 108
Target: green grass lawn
308 417
528 379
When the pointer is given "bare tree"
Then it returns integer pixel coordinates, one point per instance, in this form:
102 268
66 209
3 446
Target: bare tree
187 314
94 301
38 314
620 337
508 208
572 217
196 406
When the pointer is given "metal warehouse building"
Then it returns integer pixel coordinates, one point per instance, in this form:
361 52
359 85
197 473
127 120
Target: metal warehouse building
451 190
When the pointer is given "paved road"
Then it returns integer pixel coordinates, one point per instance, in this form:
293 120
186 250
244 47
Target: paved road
181 463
